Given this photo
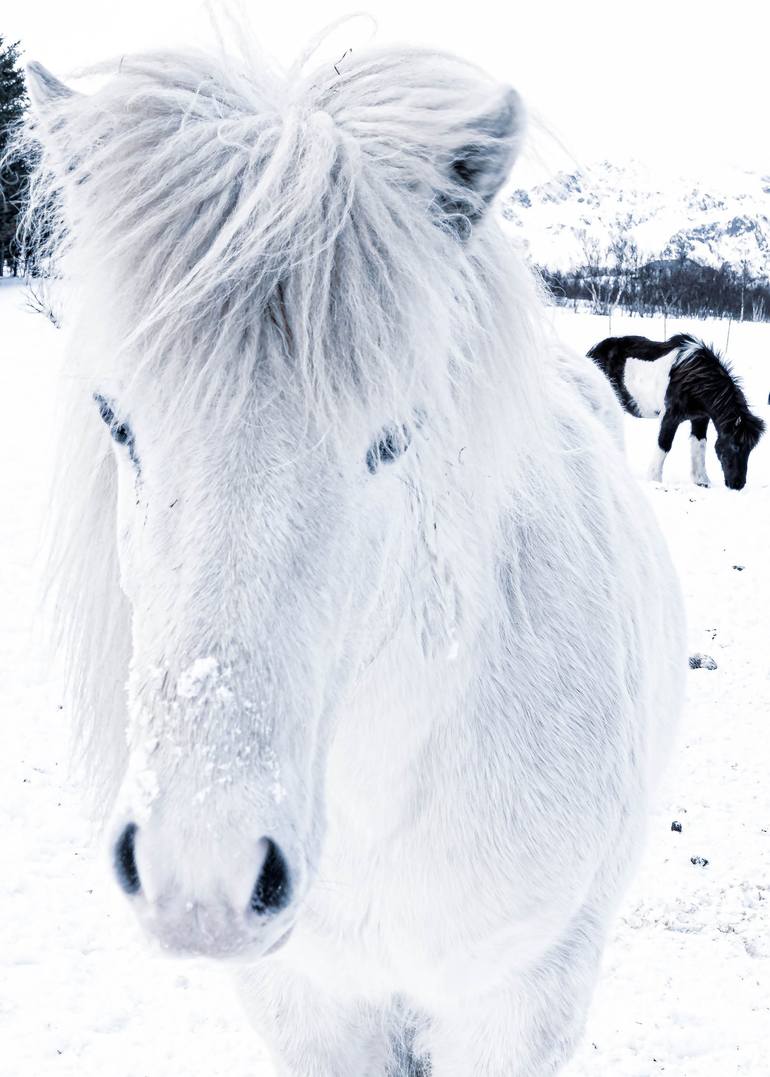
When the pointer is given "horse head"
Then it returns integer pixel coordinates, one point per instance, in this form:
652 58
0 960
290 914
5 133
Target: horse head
273 272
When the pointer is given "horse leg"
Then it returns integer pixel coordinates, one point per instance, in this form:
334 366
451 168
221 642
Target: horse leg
668 427
698 428
530 1028
310 1030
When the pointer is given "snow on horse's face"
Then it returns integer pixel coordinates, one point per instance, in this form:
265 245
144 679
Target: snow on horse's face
242 557
259 517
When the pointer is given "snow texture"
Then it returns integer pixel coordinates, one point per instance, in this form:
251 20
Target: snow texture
685 989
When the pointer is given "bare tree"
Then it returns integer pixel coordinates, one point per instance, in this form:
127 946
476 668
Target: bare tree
594 270
623 253
668 297
745 279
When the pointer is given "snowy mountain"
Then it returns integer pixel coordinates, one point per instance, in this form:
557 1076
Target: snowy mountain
724 217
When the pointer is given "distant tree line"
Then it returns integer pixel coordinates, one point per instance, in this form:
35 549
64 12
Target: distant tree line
672 285
13 170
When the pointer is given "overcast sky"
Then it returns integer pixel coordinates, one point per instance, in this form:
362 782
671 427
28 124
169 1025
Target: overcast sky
678 83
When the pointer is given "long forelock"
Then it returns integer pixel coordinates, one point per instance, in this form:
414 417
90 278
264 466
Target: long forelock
289 222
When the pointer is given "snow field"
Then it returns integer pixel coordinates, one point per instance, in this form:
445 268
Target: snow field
685 988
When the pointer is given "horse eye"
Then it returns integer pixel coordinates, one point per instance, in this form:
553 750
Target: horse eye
120 432
392 443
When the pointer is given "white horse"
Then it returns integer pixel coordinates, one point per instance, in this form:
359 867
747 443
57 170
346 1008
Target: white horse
347 549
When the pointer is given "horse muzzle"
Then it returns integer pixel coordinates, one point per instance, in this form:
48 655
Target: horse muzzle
194 906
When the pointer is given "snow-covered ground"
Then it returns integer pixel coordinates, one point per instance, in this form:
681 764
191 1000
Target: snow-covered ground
686 983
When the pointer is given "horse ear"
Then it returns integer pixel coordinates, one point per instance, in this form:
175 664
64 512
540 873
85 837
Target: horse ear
44 88
50 98
481 161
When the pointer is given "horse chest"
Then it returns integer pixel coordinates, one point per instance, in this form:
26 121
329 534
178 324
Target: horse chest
415 915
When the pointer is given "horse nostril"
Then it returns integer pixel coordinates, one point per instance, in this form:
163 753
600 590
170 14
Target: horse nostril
124 860
273 888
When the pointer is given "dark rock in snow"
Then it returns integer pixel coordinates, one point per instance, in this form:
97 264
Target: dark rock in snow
676 826
739 568
702 661
699 861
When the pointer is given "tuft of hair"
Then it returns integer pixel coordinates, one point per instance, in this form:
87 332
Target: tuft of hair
691 347
749 430
197 186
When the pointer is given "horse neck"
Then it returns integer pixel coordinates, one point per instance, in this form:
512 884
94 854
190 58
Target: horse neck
729 406
706 378
384 736
416 689
410 702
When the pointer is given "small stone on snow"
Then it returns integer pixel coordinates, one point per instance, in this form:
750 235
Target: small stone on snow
702 661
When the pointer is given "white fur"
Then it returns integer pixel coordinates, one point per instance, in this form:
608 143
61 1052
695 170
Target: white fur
444 689
655 473
698 461
647 382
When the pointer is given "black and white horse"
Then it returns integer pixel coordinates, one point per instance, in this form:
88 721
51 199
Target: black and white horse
700 388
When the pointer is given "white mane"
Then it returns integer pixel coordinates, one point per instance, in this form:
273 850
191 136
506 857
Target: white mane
234 223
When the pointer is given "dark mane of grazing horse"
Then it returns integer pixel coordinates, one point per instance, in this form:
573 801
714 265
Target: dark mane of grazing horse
701 389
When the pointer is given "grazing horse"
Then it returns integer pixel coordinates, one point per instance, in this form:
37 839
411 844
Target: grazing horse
374 644
701 388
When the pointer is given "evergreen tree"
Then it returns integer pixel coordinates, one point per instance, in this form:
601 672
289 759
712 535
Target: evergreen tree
13 171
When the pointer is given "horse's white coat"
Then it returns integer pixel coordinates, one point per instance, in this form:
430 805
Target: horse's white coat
647 382
655 473
698 461
444 689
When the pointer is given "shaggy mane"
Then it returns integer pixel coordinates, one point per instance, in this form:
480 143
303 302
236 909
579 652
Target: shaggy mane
219 209
235 225
702 370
